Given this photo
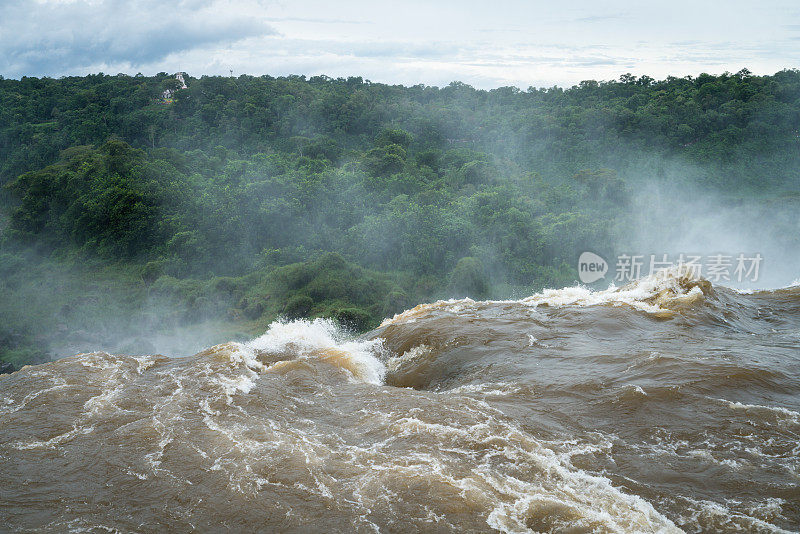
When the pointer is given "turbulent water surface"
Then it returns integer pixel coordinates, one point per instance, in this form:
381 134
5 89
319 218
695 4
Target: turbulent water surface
666 406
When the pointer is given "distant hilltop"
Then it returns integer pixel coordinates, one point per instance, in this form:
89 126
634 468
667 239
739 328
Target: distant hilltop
166 96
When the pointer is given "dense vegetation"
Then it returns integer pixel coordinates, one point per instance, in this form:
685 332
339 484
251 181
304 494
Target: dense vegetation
237 200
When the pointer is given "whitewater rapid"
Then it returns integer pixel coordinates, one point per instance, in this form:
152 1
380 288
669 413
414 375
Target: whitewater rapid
665 406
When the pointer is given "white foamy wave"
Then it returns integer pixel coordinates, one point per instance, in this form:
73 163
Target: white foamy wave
777 411
242 358
703 515
450 305
557 497
493 389
793 285
322 339
396 362
658 294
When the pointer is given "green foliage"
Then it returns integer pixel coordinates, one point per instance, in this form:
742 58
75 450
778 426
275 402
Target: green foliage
13 359
354 318
395 302
255 197
322 288
469 279
394 137
385 160
152 271
298 306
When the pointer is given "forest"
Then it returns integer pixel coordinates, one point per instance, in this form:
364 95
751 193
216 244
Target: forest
182 216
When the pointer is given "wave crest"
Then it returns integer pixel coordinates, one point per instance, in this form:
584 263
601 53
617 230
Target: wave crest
321 340
661 294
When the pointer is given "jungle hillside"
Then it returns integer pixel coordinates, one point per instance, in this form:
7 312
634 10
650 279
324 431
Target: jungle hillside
167 213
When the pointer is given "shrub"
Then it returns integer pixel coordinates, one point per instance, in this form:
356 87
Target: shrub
152 271
353 318
298 306
395 302
468 279
254 310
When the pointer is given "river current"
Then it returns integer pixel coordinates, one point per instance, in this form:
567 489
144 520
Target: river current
667 405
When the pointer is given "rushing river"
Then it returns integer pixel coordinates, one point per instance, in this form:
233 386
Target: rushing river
665 406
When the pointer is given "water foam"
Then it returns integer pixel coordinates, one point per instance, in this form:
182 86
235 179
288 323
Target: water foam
778 412
323 340
659 294
558 497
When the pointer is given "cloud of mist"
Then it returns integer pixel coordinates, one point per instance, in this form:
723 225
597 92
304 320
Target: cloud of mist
62 308
677 217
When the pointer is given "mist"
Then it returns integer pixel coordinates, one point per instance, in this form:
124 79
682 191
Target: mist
690 219
202 214
52 308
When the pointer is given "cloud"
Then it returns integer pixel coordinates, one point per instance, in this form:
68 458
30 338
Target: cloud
318 20
425 42
599 18
56 37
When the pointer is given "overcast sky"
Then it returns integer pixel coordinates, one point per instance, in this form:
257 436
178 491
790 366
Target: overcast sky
483 43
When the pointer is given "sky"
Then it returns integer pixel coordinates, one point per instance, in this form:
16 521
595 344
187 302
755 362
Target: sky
485 44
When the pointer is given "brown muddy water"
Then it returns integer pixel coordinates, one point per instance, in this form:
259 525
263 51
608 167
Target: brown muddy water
665 406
